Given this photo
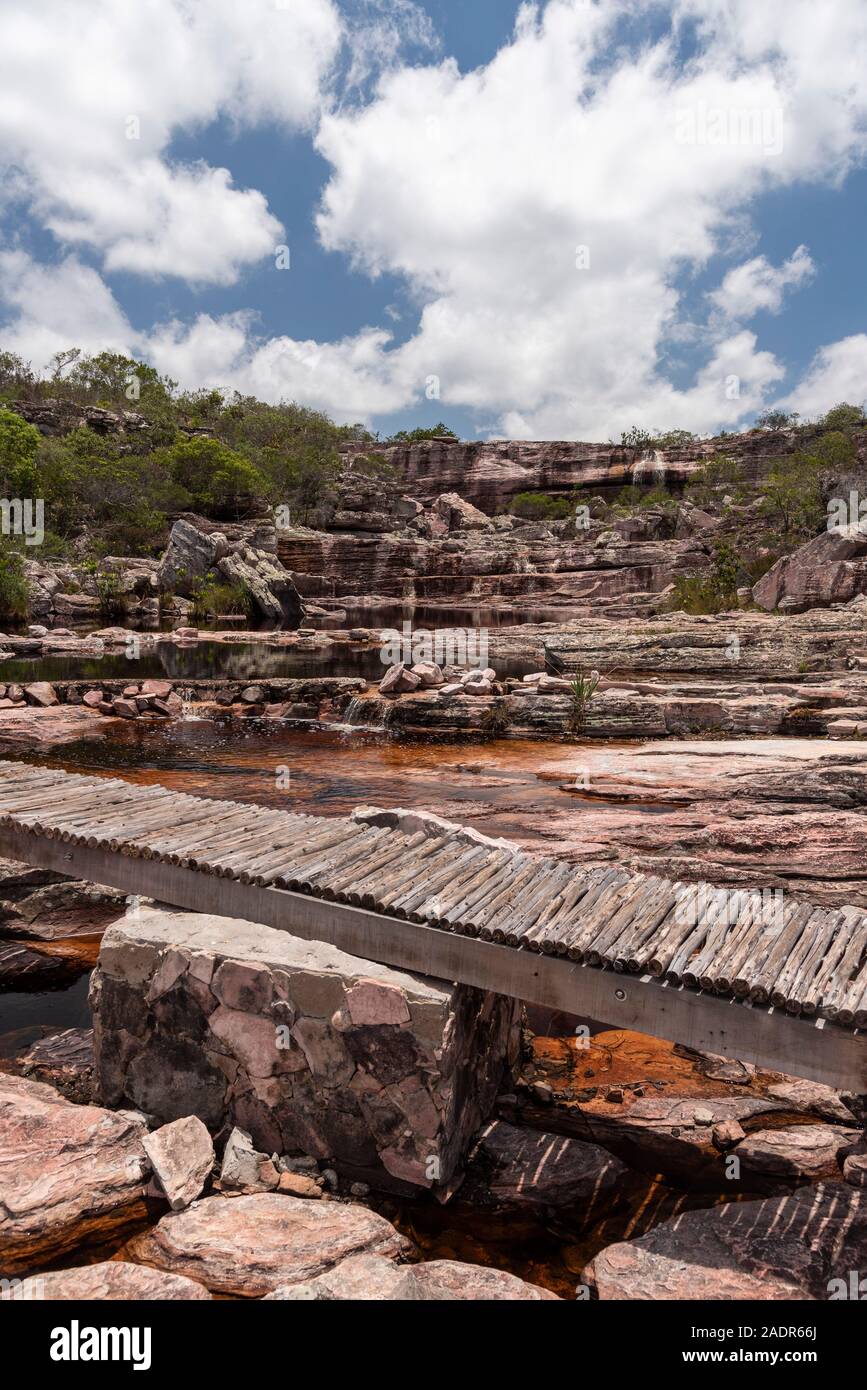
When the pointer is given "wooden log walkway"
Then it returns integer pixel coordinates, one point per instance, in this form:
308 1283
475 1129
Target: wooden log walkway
731 971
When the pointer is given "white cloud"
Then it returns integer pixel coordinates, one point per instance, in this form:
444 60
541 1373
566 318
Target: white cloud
57 307
837 373
757 285
476 189
78 81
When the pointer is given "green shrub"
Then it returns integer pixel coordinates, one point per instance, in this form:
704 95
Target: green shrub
418 436
14 587
538 506
19 445
212 599
581 691
844 417
496 719
715 591
112 602
720 476
636 438
219 482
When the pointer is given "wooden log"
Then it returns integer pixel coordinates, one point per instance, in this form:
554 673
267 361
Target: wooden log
592 911
462 917
361 890
786 942
780 993
645 936
343 852
427 861
632 897
493 923
450 864
310 844
430 900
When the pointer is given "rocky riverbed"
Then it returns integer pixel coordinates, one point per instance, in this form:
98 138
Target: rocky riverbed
408 1140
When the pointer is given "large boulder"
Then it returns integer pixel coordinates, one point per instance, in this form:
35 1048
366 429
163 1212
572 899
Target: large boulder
460 515
370 1278
68 1173
188 557
305 1049
269 585
514 1167
801 1246
249 1246
110 1281
831 568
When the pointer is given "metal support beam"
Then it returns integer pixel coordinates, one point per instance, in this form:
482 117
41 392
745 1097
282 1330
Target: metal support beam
768 1037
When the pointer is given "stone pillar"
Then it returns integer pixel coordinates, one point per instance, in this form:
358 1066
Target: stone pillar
386 1074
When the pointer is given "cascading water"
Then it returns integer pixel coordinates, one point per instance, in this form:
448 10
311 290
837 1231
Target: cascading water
370 713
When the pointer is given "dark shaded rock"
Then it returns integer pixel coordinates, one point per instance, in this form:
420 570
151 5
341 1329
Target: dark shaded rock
787 1247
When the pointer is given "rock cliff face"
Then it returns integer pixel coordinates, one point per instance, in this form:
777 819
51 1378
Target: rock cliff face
490 474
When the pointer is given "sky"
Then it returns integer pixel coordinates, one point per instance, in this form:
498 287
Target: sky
533 221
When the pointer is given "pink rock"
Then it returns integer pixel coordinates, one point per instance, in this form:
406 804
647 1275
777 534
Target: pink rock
41 693
156 687
250 1246
127 709
182 1155
93 699
371 1002
110 1281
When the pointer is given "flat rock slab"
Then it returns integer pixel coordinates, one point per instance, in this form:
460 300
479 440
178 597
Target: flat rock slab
52 725
108 1281
370 1278
68 1173
800 1153
250 1246
515 1167
783 1247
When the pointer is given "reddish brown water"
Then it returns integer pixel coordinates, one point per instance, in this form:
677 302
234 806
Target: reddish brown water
510 787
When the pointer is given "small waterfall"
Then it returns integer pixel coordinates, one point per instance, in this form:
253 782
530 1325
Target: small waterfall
369 713
643 467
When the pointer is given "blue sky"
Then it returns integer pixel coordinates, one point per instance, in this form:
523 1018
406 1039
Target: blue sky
434 168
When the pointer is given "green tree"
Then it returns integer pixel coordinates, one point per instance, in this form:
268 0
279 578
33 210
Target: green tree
219 482
777 420
418 436
844 417
19 445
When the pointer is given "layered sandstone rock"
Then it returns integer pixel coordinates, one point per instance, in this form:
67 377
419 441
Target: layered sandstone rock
371 1278
490 473
189 555
306 1049
251 1246
830 568
68 1174
111 1281
802 1246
